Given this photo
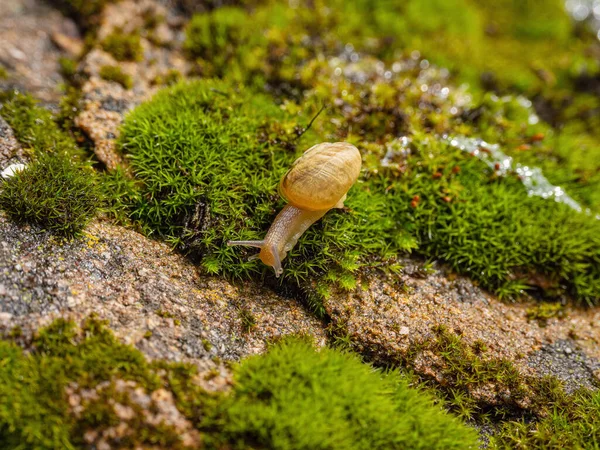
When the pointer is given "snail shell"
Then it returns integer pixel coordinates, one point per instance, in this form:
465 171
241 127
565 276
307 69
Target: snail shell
320 178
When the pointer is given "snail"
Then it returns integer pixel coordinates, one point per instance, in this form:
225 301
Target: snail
316 182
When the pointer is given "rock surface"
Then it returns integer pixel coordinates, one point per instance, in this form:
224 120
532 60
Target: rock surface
153 298
30 36
386 317
104 103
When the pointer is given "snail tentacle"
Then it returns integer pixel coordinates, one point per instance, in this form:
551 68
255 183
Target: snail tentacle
257 244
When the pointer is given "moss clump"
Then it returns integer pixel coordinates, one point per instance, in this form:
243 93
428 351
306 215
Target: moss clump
531 412
296 398
57 190
571 422
3 73
68 67
247 319
123 46
169 78
193 142
545 311
116 74
33 408
52 192
35 127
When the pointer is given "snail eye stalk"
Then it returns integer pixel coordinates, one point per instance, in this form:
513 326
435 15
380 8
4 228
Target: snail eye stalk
257 244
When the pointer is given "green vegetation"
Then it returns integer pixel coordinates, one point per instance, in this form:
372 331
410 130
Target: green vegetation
3 73
192 143
532 412
34 126
293 397
545 311
57 189
571 422
296 398
508 44
52 192
246 318
116 74
547 417
170 77
68 68
123 46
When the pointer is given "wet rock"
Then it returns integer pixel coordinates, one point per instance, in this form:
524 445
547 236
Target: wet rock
387 318
564 360
153 298
28 50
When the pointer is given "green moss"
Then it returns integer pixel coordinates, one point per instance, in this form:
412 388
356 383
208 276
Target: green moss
35 127
68 67
85 12
116 74
3 73
192 143
545 311
123 46
571 422
529 411
33 408
518 44
195 141
293 397
296 398
52 192
169 78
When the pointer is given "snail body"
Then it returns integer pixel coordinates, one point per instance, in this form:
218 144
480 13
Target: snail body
317 182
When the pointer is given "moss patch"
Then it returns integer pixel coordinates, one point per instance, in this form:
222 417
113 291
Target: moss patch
571 422
276 398
57 190
123 46
85 12
116 74
35 127
295 398
209 158
52 192
33 408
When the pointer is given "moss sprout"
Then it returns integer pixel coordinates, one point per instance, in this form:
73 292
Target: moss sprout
84 11
247 319
116 74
